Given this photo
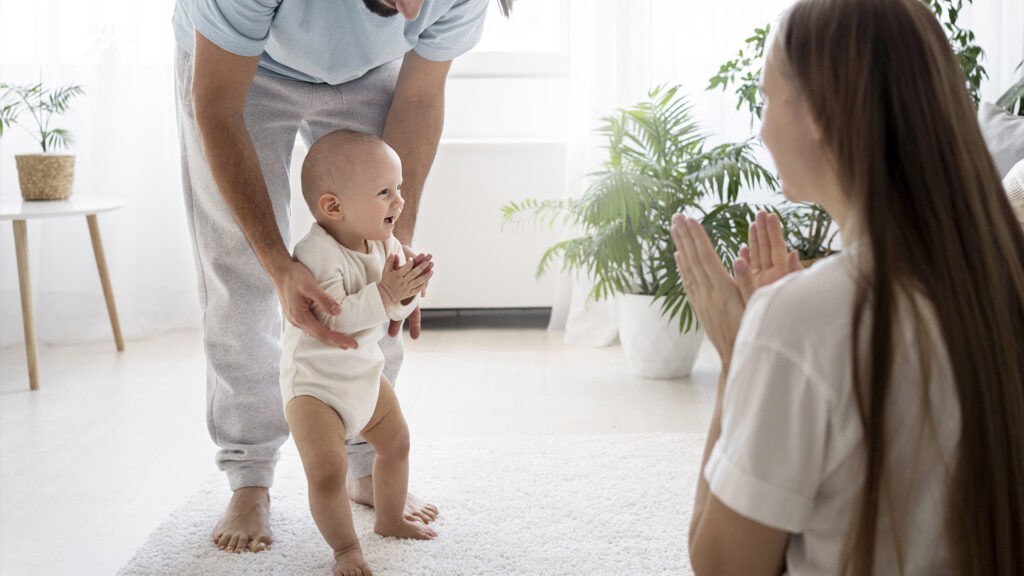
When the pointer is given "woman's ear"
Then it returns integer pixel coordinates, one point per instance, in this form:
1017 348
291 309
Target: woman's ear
812 123
330 206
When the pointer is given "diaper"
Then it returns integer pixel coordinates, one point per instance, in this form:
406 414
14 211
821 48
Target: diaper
354 402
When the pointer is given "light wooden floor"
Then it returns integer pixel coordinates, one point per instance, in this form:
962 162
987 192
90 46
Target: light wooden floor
92 462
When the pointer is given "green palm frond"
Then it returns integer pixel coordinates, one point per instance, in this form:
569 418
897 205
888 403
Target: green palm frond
56 102
56 139
658 165
42 105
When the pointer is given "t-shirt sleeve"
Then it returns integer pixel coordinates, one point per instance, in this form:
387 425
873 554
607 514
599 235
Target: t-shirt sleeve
455 33
238 26
769 460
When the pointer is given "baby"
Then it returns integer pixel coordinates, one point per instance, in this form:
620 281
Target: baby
351 183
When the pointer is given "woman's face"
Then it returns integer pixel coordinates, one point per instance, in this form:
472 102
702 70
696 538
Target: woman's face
791 136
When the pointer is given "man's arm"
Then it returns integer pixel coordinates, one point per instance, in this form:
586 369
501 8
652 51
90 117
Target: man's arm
413 128
220 84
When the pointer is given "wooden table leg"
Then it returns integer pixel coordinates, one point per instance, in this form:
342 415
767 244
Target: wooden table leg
108 292
27 311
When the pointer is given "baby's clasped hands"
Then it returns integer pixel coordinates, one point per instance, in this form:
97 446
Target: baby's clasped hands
402 283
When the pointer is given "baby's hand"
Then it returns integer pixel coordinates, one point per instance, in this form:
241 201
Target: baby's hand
402 283
418 258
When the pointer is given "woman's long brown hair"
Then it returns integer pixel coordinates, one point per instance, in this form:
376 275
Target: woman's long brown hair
883 84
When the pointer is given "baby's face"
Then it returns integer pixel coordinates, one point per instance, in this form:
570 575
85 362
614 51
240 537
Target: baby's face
371 199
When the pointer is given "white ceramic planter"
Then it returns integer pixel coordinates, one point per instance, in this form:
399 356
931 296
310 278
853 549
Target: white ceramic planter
653 345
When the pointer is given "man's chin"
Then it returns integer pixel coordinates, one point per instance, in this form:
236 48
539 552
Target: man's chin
380 9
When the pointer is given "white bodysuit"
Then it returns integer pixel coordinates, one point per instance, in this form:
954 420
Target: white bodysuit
346 380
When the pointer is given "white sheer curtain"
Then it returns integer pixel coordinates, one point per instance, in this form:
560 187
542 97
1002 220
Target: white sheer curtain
621 49
121 51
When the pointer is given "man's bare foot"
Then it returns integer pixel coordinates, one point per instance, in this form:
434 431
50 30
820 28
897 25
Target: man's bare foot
360 491
350 563
405 529
246 522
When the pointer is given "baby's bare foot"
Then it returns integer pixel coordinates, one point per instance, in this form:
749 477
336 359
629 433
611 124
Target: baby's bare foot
350 563
246 522
405 529
419 510
360 491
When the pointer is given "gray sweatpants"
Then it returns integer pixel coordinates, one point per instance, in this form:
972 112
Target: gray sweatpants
241 314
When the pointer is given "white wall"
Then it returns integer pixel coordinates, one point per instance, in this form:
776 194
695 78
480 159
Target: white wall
615 50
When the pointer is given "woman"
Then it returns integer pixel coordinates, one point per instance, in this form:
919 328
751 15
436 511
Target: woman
905 453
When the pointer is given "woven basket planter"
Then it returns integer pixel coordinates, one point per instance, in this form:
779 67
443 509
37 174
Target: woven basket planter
45 176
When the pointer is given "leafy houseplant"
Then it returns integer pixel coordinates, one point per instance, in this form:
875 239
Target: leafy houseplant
45 176
659 164
807 225
1013 99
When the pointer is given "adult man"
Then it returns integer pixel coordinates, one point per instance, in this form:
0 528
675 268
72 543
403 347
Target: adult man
250 74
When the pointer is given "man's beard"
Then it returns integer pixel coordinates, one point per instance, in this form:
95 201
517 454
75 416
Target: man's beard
378 8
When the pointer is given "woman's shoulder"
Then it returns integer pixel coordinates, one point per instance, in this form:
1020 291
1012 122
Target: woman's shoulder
808 304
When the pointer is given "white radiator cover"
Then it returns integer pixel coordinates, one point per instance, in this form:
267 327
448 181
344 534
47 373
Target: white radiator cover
477 264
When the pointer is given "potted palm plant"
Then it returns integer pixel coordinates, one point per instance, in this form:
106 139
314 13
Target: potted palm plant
45 176
659 164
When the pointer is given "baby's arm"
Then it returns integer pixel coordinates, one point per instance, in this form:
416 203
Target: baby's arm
359 311
400 311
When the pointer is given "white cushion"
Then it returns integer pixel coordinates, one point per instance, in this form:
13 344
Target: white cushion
1004 135
1014 184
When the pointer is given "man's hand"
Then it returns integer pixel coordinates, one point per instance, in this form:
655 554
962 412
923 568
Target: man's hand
298 292
415 318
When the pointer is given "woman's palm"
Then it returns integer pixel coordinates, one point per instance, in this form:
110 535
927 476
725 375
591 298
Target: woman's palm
766 259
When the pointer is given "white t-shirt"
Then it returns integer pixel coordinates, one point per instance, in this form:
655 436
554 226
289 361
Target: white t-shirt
791 453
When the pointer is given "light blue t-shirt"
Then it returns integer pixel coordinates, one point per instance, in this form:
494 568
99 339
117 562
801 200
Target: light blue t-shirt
330 41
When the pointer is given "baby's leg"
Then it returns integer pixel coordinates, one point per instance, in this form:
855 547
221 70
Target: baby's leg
320 437
389 436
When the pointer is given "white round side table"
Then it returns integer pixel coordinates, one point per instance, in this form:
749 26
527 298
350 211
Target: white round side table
19 211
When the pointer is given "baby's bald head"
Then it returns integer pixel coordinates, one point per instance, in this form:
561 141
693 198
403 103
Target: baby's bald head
344 162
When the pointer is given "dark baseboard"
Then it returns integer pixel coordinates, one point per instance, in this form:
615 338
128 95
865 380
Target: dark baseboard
486 318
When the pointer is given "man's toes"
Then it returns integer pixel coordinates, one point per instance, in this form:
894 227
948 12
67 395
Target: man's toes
259 544
233 543
243 543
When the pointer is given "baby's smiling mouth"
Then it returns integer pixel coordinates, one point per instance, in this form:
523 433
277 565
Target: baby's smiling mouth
390 220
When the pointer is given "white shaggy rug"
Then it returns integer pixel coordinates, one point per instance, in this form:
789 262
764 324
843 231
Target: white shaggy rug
562 505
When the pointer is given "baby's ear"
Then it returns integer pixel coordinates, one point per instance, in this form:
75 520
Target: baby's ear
330 206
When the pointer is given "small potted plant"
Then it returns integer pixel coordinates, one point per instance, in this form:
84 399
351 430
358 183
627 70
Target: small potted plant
45 176
659 164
